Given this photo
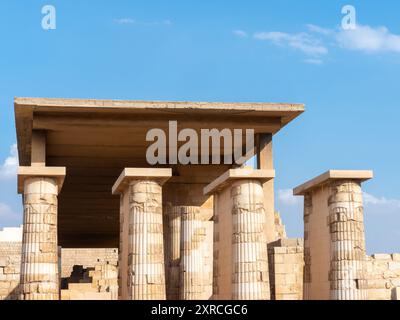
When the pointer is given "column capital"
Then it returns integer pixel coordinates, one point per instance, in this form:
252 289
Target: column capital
355 175
160 175
24 173
231 175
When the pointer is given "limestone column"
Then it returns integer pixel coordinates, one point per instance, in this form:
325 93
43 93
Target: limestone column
250 256
348 256
39 277
146 274
173 219
193 233
246 229
334 252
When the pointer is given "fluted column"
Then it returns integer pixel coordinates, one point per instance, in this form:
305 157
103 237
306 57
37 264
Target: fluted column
193 233
173 218
146 245
39 278
348 256
143 208
334 241
241 250
250 280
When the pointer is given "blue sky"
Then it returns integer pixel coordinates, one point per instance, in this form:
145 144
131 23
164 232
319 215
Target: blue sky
261 51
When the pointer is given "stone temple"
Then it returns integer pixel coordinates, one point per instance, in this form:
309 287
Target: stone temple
101 223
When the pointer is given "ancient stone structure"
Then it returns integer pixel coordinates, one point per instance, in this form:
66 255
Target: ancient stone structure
173 250
286 265
244 250
142 207
192 274
383 276
334 236
204 230
10 262
39 265
89 274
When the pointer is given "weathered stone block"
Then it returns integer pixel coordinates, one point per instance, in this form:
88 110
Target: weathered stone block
382 256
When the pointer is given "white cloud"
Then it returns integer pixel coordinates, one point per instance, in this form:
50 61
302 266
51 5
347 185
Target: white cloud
303 42
317 29
370 200
368 39
286 197
9 167
240 33
124 21
315 42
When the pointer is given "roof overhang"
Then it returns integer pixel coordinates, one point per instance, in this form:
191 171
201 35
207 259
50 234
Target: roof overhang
51 113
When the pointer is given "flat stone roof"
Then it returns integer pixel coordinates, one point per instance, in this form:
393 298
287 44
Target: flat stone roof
361 175
54 114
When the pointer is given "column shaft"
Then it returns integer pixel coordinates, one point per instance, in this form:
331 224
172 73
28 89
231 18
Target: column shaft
174 251
347 271
250 278
146 251
39 265
193 235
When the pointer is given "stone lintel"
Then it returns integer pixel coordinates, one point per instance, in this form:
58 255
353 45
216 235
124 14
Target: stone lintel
236 174
24 173
356 175
160 175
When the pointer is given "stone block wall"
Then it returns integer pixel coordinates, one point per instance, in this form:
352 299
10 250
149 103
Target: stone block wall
286 264
10 260
383 276
95 283
86 257
101 266
98 276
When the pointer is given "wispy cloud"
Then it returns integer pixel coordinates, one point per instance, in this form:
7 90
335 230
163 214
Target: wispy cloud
131 21
8 168
315 43
317 29
368 39
240 33
124 21
303 42
371 200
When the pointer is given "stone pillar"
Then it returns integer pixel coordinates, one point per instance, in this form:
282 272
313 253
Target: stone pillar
193 233
146 274
173 220
241 192
348 256
307 256
250 277
39 277
335 257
